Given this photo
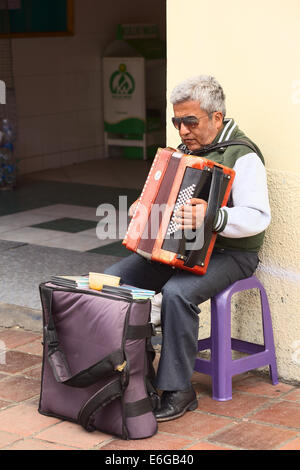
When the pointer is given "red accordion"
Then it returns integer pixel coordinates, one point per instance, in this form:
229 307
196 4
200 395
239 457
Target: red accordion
173 179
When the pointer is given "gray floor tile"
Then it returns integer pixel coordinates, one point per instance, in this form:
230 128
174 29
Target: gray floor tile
73 241
31 235
67 224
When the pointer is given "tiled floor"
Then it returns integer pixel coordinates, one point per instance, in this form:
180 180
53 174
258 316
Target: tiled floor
259 417
62 208
64 226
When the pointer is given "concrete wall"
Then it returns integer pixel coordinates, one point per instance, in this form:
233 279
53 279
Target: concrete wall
58 84
252 48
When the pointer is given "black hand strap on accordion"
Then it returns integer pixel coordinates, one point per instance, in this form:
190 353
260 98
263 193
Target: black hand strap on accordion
214 201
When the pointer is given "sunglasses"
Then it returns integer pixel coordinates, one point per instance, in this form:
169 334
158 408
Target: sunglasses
189 121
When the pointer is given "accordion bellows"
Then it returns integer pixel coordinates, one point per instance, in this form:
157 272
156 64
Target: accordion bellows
173 179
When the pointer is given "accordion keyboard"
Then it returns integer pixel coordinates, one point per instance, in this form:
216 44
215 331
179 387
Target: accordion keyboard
183 196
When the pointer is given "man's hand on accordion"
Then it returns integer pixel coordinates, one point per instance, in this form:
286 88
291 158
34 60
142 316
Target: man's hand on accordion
191 214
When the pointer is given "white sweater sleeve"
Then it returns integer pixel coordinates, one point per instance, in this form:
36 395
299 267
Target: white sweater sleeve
250 213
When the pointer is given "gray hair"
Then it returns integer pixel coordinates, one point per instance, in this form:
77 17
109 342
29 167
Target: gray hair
203 88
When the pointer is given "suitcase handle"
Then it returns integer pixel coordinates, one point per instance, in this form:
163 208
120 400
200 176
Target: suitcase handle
106 395
100 399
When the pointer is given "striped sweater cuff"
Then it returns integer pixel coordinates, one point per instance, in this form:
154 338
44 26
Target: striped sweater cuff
220 221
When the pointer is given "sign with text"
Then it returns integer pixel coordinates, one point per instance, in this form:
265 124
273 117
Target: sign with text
124 92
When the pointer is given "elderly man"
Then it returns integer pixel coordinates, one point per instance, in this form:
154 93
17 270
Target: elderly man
199 117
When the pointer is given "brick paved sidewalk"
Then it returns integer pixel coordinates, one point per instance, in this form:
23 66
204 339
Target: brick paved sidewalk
260 416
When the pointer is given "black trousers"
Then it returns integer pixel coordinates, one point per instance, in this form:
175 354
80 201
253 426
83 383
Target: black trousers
182 293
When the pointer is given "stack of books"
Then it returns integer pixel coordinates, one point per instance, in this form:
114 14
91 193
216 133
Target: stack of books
75 282
130 292
82 282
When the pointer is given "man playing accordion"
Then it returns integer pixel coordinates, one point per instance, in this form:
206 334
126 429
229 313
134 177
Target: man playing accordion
199 117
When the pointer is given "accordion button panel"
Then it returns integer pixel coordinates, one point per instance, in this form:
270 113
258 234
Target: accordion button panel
157 175
183 197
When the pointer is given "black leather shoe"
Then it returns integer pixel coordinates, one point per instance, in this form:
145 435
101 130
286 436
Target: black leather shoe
175 404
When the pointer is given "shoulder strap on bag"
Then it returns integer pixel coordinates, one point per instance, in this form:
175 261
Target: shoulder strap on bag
106 395
100 399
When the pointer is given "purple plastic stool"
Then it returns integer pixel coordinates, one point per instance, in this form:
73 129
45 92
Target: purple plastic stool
221 366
